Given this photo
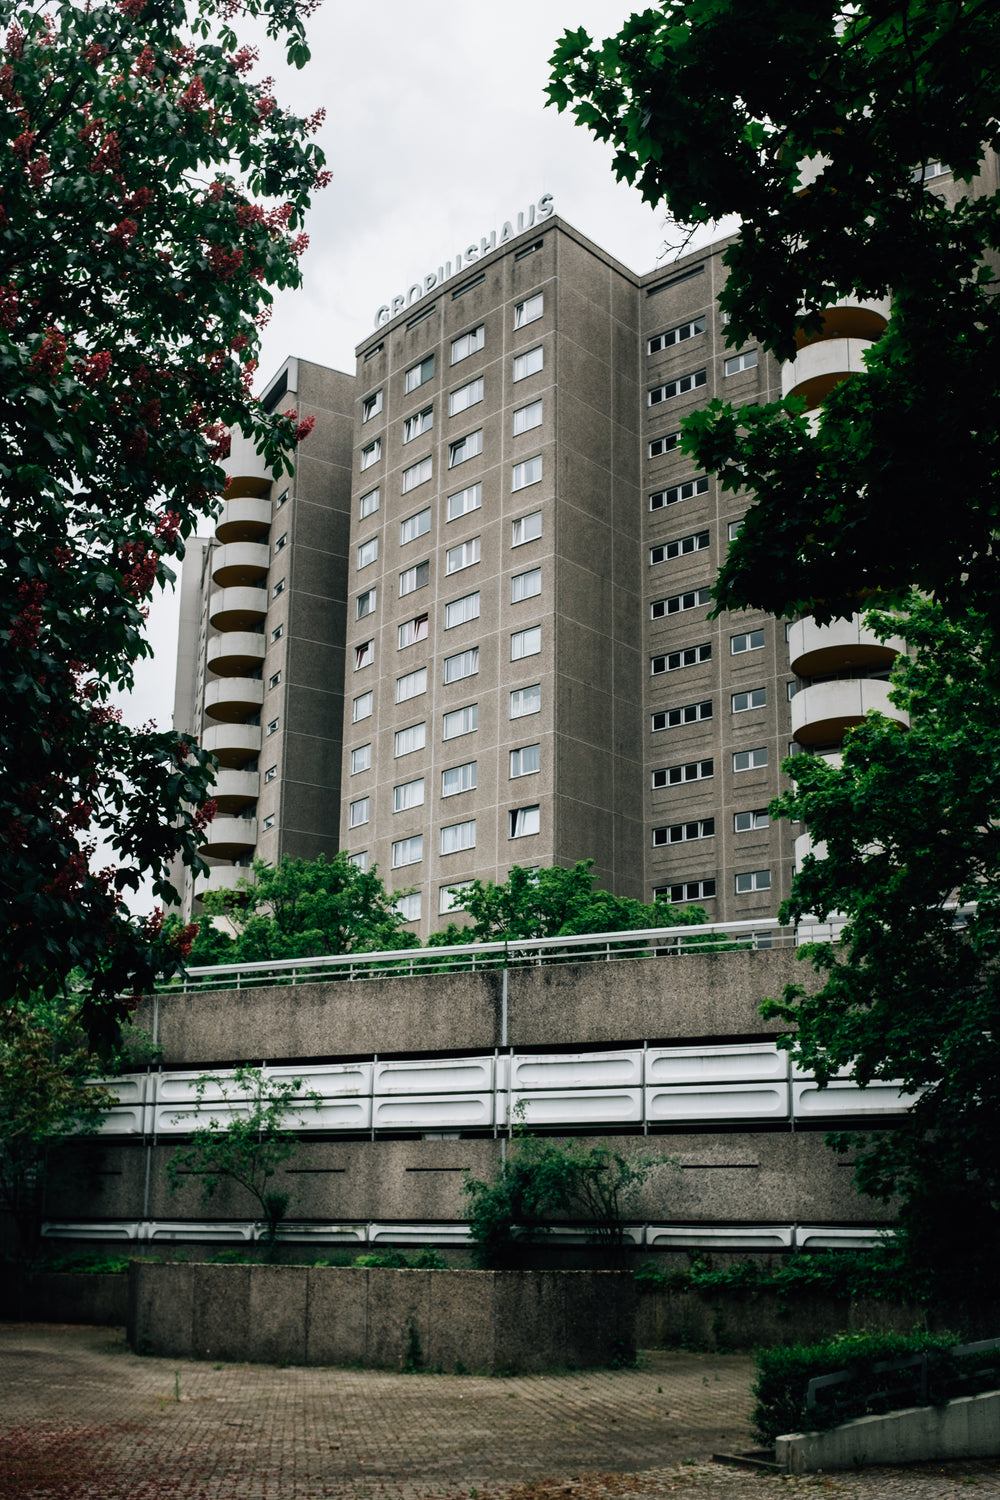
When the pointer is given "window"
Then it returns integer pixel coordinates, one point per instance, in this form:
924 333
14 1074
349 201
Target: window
928 170
527 417
524 820
272 727
371 406
281 542
421 421
416 474
460 721
526 643
458 779
281 500
735 527
361 759
409 907
419 375
665 444
746 822
675 335
524 701
408 740
408 851
528 363
462 556
753 880
525 585
678 602
270 774
279 587
450 897
367 552
465 396
676 387
359 861
791 688
412 631
691 713
468 343
459 611
528 311
369 503
277 632
684 544
692 770
412 685
414 578
370 454
365 604
465 664
357 812
683 833
458 836
679 492
464 501
414 526
750 760
465 447
750 640
526 761
691 656
755 698
274 679
408 794
737 362
268 822
526 529
530 472
364 654
362 707
688 890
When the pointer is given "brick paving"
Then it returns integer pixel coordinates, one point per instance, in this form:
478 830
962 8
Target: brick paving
82 1418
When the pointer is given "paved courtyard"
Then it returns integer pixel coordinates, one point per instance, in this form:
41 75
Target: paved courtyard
82 1418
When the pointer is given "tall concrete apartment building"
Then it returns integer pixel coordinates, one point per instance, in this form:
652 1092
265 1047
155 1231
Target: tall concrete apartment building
501 569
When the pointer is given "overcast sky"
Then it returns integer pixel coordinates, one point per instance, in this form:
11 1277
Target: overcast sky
435 132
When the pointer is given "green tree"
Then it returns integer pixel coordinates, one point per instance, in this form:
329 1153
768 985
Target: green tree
246 1141
306 908
151 196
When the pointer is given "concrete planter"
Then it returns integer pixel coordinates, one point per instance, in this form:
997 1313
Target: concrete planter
488 1321
723 1321
67 1297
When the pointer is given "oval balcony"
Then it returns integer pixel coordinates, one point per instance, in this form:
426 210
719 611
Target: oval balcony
234 791
237 609
816 649
231 700
232 744
239 563
823 712
243 520
814 372
850 318
246 471
220 878
229 838
236 653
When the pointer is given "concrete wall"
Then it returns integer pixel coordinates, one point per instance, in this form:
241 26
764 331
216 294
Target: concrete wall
726 1321
966 1428
488 1321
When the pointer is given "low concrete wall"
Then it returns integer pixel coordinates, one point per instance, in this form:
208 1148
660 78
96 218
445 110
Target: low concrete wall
67 1297
487 1321
698 1320
966 1428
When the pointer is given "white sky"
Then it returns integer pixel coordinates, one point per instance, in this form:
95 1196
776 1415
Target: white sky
435 132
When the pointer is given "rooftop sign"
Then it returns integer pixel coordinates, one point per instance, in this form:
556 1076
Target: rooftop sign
525 220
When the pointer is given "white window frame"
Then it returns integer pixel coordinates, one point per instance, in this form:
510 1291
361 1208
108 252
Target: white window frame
752 880
417 423
362 707
407 794
518 700
522 585
269 822
528 417
409 906
409 851
419 374
518 766
677 718
367 552
526 528
746 641
467 344
467 717
416 577
409 633
526 474
417 474
370 454
755 698
667 442
359 812
463 664
675 335
684 833
466 777
464 448
678 492
462 555
465 396
530 310
419 524
686 891
364 654
371 405
736 363
679 387
271 774
676 604
401 746
464 501
523 822
411 685
675 661
461 611
751 757
369 503
365 603
526 642
529 362
361 759
691 770
456 837
751 822
447 902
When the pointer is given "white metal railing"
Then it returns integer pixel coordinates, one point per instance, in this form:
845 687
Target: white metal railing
409 963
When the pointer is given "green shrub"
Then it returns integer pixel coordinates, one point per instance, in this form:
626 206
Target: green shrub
90 1263
784 1373
849 1274
389 1260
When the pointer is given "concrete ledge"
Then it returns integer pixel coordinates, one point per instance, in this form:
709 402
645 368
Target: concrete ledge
483 1321
968 1427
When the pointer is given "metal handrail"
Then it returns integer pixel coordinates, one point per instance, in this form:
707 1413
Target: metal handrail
408 963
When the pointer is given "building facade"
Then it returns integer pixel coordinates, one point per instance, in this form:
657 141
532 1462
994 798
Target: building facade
487 643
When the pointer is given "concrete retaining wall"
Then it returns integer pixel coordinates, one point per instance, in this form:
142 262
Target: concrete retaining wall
487 1321
966 1428
721 1323
67 1297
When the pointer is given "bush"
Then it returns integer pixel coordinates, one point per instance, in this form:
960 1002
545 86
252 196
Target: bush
784 1373
849 1274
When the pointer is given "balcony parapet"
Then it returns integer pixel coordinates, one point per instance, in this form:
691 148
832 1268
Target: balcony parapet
816 649
232 744
233 699
243 519
235 653
823 712
240 563
237 608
